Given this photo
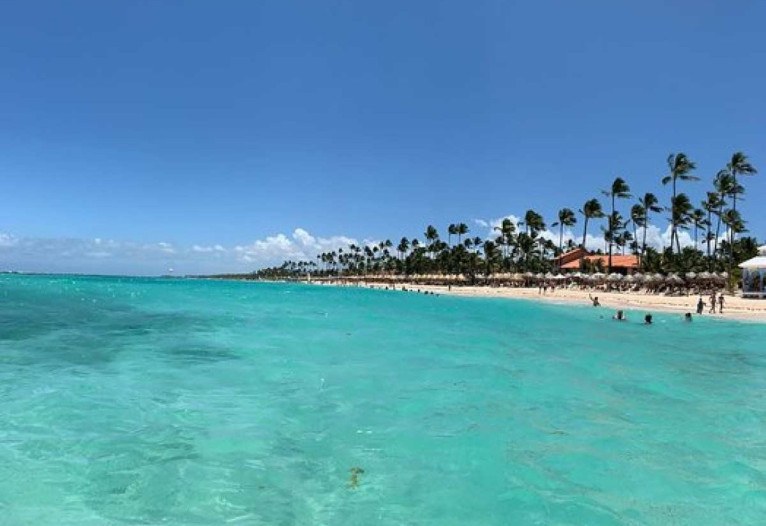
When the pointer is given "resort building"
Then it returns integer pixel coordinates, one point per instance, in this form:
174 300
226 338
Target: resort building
572 261
754 275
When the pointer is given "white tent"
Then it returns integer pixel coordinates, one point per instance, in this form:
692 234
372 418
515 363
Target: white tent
754 275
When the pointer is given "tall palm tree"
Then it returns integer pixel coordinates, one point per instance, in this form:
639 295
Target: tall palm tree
710 205
533 223
638 218
724 184
431 235
680 167
507 230
590 210
618 190
404 245
566 218
650 204
739 165
698 220
461 229
451 231
490 256
680 215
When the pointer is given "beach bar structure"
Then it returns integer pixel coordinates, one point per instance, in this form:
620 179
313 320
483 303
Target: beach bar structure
754 275
571 260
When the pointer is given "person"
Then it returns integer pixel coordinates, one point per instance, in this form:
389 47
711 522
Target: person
594 300
700 306
720 303
688 316
712 303
648 319
619 316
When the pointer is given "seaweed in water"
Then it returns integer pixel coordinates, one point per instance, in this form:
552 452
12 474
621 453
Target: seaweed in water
354 480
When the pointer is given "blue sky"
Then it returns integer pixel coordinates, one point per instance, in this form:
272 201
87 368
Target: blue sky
133 132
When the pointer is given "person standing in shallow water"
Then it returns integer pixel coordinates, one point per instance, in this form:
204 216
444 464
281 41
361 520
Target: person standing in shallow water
720 303
700 306
712 303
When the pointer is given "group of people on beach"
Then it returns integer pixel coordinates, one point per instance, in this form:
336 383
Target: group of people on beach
713 300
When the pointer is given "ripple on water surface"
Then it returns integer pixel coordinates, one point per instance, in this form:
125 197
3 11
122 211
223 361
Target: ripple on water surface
188 402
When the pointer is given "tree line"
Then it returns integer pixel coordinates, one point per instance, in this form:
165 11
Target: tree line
714 224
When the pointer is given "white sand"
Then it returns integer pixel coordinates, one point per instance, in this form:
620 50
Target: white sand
735 307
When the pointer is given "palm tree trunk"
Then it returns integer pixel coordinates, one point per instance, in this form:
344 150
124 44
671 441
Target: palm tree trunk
643 241
673 234
561 242
584 231
717 233
611 236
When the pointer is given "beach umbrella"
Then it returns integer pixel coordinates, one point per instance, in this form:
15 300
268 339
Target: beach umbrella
518 276
540 275
598 275
690 275
615 277
559 276
637 276
705 275
549 275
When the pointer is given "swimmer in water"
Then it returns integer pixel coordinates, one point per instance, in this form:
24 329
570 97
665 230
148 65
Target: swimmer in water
688 316
648 319
619 316
594 300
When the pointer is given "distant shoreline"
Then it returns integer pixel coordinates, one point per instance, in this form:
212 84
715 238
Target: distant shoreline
735 307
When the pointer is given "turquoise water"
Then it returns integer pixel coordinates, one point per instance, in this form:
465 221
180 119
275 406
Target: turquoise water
139 401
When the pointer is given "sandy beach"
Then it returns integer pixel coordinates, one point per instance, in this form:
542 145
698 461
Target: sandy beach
735 307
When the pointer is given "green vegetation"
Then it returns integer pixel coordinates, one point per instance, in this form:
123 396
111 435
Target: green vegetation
522 247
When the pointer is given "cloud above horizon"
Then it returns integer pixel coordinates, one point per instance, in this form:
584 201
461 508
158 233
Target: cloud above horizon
108 256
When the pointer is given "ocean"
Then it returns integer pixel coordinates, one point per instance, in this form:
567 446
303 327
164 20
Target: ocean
189 402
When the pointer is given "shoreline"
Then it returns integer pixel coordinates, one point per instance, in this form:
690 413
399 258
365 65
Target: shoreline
735 307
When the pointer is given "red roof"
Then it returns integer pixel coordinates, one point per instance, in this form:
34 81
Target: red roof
627 262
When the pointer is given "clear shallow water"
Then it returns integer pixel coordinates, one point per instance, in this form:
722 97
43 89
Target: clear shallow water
137 401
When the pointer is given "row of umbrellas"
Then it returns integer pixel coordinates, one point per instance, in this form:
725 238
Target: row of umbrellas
529 276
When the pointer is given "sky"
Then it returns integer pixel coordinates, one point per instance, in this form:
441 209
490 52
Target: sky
206 137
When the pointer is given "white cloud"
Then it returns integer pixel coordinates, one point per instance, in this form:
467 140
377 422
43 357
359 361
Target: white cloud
299 246
98 255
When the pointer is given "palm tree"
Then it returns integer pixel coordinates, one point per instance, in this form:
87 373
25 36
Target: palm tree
724 186
461 229
680 167
638 218
739 165
590 210
710 205
650 204
618 190
680 214
698 220
431 235
566 218
451 230
533 223
506 229
490 256
404 245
